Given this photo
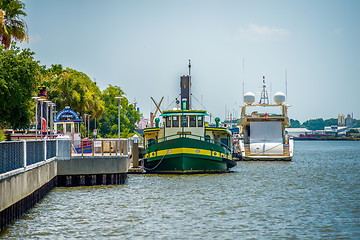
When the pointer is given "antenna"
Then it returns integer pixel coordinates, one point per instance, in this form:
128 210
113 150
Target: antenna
243 92
270 92
264 95
286 85
225 112
189 68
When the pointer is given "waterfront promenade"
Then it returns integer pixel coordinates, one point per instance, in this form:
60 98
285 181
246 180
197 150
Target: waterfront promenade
30 169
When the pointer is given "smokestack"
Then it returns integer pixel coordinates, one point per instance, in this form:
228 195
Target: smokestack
185 90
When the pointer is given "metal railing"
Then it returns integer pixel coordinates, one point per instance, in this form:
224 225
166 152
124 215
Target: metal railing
11 156
100 147
21 154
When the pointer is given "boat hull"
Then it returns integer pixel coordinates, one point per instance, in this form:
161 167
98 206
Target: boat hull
185 155
286 155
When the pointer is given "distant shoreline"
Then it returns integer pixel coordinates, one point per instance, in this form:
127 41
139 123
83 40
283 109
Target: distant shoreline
327 139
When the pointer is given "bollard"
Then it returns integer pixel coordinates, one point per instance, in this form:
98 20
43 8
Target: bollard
135 154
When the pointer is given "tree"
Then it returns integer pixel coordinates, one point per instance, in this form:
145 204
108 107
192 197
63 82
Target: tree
12 26
314 124
68 87
294 123
109 121
330 122
353 131
18 76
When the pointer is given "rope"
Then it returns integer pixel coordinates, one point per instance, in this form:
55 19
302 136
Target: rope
156 164
172 102
272 147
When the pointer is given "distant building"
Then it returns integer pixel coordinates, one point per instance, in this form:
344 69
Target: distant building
335 130
295 132
143 123
341 120
348 120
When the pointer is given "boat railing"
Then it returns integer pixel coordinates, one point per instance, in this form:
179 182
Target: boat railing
192 136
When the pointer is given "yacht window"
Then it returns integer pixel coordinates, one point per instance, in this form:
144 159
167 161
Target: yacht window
184 121
175 121
200 121
168 121
192 121
76 127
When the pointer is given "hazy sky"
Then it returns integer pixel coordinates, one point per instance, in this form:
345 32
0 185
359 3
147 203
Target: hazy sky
144 47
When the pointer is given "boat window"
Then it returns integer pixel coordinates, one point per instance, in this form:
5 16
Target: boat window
168 121
192 121
151 141
200 121
76 127
224 141
184 121
68 127
175 121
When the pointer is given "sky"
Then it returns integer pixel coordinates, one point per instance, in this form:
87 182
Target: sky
144 47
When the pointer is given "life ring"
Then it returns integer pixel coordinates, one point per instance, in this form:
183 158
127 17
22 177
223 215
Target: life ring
44 124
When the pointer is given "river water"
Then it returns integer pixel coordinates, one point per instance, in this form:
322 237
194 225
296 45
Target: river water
316 196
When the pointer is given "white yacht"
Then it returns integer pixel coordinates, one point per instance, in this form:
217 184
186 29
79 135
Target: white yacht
262 129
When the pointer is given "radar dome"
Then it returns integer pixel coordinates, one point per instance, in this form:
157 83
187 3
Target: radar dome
249 98
279 98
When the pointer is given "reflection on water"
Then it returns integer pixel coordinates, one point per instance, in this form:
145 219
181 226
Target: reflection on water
313 197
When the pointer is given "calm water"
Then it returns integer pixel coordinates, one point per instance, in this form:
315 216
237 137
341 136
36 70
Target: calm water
315 196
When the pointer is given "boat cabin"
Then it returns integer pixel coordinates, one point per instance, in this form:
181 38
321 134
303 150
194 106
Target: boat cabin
264 126
189 124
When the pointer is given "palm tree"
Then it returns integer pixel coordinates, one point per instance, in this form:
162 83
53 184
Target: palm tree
11 23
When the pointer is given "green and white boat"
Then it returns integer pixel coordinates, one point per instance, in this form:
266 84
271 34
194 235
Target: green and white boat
184 144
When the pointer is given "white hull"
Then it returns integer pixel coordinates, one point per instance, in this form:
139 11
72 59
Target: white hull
266 151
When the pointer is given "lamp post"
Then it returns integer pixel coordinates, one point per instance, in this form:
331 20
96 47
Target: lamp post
85 124
41 115
36 115
119 98
47 117
51 119
89 126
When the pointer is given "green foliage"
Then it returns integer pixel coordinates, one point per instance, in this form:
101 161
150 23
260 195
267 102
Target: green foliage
356 123
2 135
314 124
68 87
319 124
12 26
18 74
294 123
109 120
330 122
353 131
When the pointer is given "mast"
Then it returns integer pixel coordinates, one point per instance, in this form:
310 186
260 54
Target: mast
189 68
264 95
185 86
286 84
